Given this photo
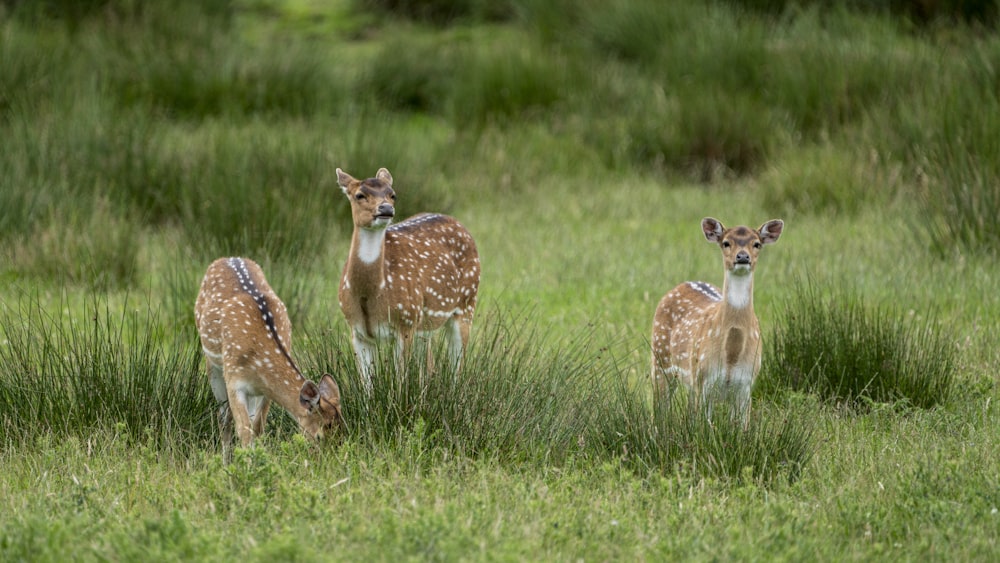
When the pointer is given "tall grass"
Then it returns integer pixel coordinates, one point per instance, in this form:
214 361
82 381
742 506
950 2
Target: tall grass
473 81
519 397
208 74
442 12
963 185
835 344
676 437
74 375
828 180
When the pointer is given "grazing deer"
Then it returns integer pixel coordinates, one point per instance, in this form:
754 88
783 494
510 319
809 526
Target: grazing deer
407 279
710 340
246 336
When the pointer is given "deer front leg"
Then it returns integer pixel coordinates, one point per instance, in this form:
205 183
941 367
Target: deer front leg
742 377
238 403
364 353
401 351
226 430
225 415
458 330
260 418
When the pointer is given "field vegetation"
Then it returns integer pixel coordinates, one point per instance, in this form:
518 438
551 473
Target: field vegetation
580 142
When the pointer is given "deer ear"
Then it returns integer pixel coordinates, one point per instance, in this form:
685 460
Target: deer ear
328 388
384 176
309 395
712 228
344 179
770 231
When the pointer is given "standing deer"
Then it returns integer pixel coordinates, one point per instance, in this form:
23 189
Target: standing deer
246 336
710 340
407 279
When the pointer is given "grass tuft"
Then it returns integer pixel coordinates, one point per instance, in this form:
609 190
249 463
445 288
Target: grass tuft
69 376
518 397
678 438
846 351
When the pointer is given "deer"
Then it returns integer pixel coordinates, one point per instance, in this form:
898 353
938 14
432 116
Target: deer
709 339
246 337
407 280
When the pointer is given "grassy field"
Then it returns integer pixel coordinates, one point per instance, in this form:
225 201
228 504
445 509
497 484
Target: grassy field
580 143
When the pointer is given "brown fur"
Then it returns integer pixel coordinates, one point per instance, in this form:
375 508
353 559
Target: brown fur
705 337
420 275
246 335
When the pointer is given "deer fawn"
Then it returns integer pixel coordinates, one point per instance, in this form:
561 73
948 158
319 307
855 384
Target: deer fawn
407 279
246 336
710 340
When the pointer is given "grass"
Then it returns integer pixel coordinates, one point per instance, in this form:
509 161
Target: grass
845 350
104 369
581 145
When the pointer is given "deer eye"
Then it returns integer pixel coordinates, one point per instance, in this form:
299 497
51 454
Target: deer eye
359 196
726 244
756 244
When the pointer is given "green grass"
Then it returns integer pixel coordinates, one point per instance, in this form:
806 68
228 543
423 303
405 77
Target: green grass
848 351
580 143
103 369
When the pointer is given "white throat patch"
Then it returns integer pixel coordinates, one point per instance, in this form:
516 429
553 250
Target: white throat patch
739 290
370 244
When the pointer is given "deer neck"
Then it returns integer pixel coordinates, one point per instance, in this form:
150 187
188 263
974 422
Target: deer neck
285 384
366 265
286 394
735 323
737 295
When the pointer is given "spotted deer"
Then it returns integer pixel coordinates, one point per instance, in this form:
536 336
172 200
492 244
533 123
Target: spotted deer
246 336
710 340
404 280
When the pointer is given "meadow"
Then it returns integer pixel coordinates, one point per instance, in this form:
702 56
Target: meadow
580 142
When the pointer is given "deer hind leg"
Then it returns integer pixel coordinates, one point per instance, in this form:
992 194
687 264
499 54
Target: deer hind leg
667 378
457 332
660 376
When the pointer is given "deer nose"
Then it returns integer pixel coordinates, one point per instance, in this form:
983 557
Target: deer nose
743 257
386 210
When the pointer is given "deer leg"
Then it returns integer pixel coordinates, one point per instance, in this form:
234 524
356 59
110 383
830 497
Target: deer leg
705 397
241 417
260 418
663 377
457 335
225 415
429 349
226 431
402 350
743 404
364 353
741 379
